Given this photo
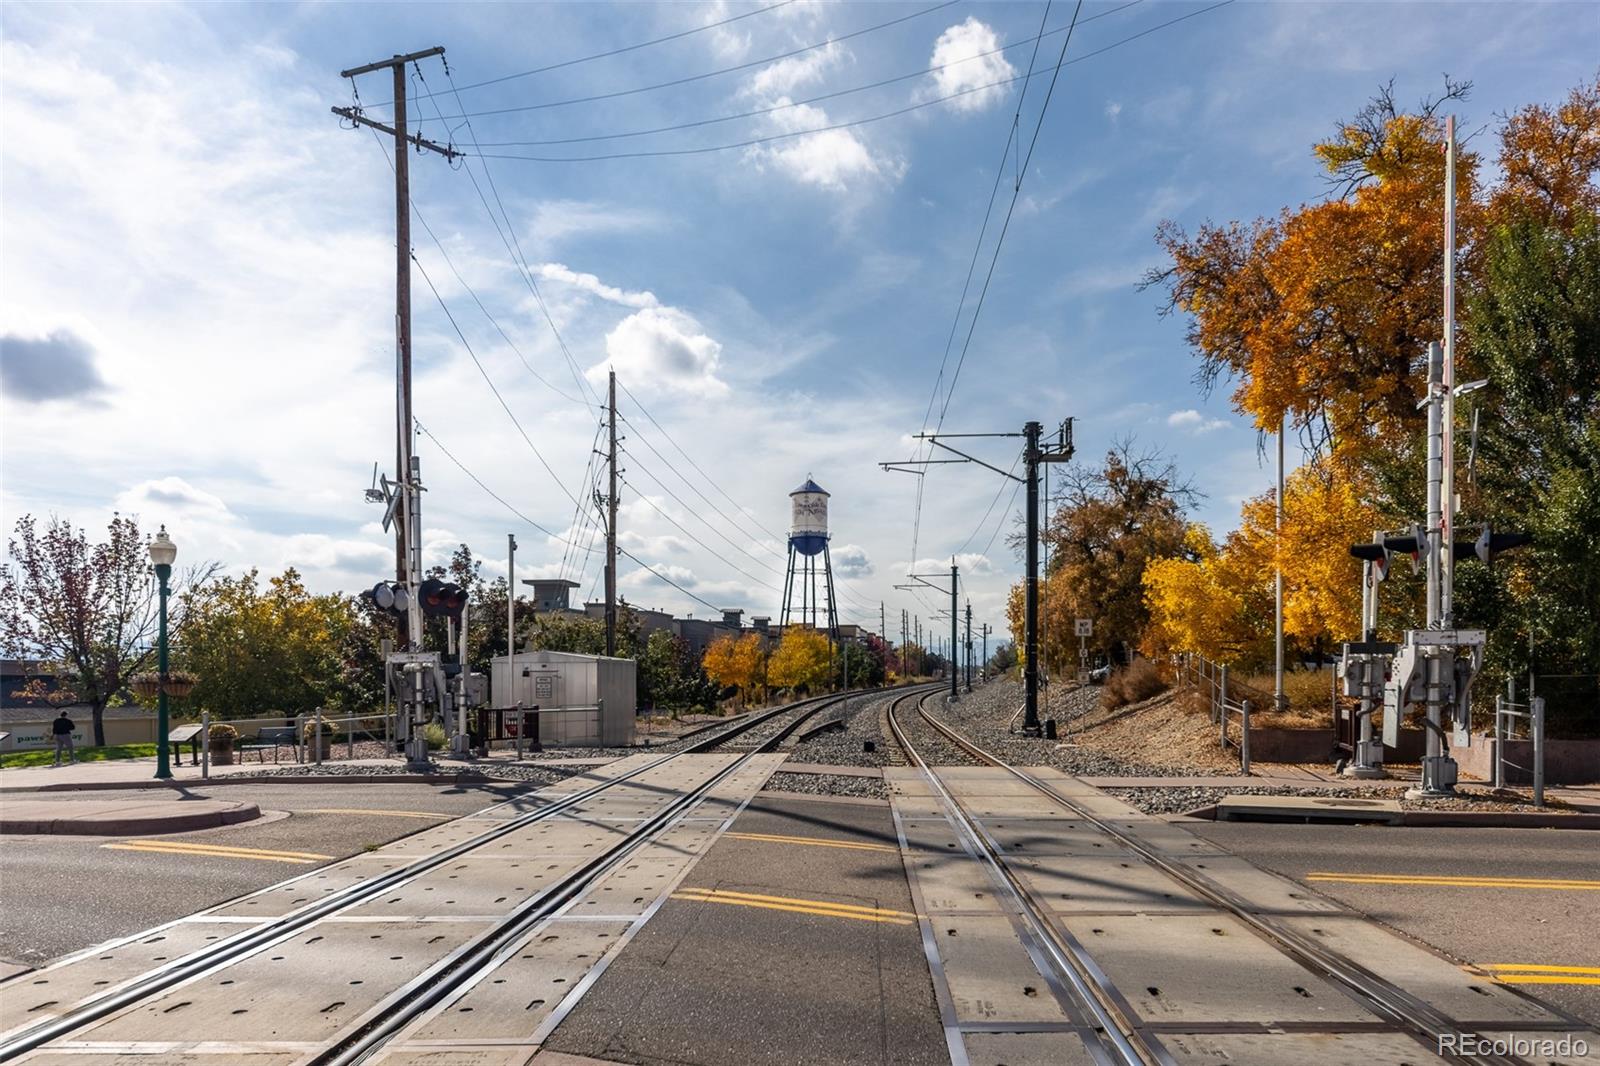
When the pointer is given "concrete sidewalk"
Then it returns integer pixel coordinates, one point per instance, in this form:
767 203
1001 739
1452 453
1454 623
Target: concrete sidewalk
161 812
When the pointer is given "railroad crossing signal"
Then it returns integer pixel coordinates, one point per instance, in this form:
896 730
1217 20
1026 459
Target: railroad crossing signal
442 599
390 596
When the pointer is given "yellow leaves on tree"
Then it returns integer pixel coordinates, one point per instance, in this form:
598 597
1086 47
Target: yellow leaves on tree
803 659
1320 315
737 664
1217 602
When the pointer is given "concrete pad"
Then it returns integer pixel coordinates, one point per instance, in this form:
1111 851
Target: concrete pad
173 1053
1206 969
114 818
513 1001
1261 891
53 990
1026 1049
1308 809
990 975
309 988
953 883
1024 837
1166 838
1420 972
466 885
281 899
458 1055
1078 884
929 835
1275 1049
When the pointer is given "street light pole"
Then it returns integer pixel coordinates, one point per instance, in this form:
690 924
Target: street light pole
163 552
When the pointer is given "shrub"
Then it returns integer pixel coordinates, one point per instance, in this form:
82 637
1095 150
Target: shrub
1132 683
310 730
222 735
433 735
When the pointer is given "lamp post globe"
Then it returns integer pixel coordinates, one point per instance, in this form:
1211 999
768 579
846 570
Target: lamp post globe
163 552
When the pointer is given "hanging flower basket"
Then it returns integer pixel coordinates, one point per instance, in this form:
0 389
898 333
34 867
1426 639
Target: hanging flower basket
180 683
145 686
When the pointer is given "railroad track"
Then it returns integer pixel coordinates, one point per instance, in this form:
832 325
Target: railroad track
1122 1035
443 980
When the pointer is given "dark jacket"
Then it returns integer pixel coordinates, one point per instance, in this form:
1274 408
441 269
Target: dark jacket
62 726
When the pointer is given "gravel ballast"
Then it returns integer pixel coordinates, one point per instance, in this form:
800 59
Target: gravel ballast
827 785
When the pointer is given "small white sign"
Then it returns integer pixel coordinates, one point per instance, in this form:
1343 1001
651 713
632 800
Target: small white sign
1083 627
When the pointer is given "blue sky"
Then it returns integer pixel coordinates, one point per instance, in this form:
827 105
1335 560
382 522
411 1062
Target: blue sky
197 263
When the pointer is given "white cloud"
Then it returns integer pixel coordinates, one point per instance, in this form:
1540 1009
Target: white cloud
833 159
592 284
851 560
787 75
1113 111
666 347
956 70
554 221
1194 421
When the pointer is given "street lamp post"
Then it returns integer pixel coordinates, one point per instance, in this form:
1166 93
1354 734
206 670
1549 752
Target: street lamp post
162 552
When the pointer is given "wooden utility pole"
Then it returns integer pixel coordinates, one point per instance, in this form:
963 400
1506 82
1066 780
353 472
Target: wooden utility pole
407 568
611 524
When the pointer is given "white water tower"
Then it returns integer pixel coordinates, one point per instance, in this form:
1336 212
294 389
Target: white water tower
808 538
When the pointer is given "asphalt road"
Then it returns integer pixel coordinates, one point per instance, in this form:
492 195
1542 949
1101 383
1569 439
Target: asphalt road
789 943
1481 923
59 894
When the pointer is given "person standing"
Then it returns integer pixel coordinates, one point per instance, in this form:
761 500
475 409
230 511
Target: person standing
62 727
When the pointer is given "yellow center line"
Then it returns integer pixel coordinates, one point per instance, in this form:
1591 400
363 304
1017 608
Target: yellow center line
1544 979
797 907
1444 880
730 893
818 842
361 810
187 848
1537 967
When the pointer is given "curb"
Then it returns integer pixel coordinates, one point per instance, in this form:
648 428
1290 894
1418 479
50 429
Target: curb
1452 819
250 779
179 823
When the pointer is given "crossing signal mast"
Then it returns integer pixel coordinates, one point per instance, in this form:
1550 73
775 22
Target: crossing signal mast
1433 666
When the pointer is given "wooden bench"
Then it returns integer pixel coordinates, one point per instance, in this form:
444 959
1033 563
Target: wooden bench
271 736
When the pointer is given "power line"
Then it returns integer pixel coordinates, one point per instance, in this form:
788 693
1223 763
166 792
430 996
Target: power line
615 94
624 551
479 482
617 51
836 94
488 380
679 527
1015 485
850 124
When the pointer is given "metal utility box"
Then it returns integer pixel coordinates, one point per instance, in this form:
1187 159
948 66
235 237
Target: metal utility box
587 700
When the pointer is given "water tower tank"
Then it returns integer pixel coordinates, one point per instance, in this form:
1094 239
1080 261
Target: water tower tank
808 531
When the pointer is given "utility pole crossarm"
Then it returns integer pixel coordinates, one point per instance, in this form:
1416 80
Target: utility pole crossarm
393 61
421 142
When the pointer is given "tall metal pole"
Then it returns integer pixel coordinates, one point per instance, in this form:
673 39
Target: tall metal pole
985 664
969 645
1277 585
163 769
511 620
955 631
402 315
1433 763
1030 597
1447 515
611 523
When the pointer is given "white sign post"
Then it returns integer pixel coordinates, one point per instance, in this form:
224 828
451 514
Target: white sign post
1084 628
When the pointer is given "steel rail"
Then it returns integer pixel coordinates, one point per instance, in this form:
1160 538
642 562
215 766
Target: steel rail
226 951
1377 994
1118 1034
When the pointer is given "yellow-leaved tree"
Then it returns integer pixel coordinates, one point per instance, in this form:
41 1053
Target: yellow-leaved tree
1205 602
803 659
736 664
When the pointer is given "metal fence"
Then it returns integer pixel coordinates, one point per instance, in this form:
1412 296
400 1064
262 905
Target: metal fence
1225 700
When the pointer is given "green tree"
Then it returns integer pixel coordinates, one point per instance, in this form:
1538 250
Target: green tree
259 650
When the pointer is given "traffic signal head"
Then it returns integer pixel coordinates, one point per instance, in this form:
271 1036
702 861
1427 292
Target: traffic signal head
442 599
1489 543
389 596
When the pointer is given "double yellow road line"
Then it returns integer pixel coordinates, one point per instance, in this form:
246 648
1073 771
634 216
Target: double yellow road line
816 842
822 908
1516 973
1445 881
218 851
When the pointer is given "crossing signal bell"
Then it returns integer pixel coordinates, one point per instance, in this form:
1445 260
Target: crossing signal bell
442 599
